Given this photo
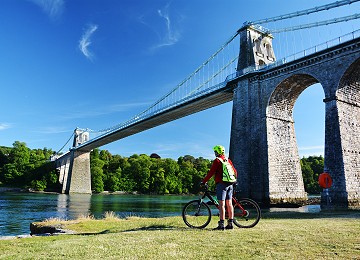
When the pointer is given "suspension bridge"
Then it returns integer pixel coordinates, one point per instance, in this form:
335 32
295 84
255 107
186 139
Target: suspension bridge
263 90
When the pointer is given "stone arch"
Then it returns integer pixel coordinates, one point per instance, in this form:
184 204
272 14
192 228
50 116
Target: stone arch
349 86
285 178
342 142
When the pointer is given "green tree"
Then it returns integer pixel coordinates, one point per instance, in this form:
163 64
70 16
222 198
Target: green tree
139 171
97 174
17 164
126 182
173 183
308 175
187 173
38 185
312 167
157 177
112 181
97 183
20 154
24 167
4 155
10 173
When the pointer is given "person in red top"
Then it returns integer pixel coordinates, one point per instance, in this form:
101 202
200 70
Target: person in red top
224 190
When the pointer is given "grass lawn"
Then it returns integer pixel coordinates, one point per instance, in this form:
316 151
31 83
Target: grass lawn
277 236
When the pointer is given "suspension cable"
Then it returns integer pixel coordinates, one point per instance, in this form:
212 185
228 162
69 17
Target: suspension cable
304 12
65 143
310 25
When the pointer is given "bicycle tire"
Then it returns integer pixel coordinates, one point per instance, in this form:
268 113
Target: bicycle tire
195 216
252 216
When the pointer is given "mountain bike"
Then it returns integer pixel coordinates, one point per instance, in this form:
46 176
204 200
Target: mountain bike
197 213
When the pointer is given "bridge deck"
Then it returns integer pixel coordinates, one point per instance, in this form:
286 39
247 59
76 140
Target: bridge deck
193 106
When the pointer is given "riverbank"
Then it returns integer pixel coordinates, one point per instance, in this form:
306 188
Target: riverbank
277 236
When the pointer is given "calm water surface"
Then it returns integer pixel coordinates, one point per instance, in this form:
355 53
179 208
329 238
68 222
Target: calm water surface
18 210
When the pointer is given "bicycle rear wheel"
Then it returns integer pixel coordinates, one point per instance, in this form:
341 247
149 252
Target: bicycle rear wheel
196 214
246 213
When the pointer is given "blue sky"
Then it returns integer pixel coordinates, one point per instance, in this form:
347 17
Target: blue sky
97 63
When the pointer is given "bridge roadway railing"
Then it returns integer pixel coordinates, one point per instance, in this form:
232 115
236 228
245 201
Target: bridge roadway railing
223 86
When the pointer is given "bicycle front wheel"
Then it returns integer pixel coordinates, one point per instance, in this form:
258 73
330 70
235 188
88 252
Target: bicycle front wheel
196 214
246 213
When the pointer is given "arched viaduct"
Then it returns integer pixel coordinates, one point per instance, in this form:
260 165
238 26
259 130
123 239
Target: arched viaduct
263 142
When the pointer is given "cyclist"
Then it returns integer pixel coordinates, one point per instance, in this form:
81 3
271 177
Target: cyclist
224 187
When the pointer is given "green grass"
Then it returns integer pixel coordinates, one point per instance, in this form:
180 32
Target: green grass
277 236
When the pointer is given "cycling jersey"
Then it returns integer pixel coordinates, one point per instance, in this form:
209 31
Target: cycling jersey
217 170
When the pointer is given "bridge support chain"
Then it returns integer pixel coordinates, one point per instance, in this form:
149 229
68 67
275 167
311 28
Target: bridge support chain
79 175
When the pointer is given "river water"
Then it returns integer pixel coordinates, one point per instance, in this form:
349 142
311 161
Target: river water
18 210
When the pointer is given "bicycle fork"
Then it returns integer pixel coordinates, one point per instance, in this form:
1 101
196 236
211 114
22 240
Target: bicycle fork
197 213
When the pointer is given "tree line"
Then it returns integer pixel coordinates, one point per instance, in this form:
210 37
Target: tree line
27 168
31 168
145 174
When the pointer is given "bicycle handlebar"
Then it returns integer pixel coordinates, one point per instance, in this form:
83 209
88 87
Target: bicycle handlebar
205 186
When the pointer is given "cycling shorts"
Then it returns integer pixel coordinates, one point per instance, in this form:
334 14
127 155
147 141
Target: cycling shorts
224 191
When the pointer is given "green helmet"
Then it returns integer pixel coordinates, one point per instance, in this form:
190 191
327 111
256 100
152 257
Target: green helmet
219 149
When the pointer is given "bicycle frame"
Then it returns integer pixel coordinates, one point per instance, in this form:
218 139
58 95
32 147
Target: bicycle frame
207 194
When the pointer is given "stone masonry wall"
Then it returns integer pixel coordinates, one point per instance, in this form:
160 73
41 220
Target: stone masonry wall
263 139
348 112
80 176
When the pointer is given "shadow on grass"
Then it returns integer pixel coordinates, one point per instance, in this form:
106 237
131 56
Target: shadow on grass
267 214
114 231
152 227
107 231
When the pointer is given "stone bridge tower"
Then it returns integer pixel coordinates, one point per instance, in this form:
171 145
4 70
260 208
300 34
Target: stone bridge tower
74 168
255 47
264 175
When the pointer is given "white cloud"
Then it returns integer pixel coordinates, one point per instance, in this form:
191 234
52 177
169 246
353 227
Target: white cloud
171 35
85 41
53 8
4 126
